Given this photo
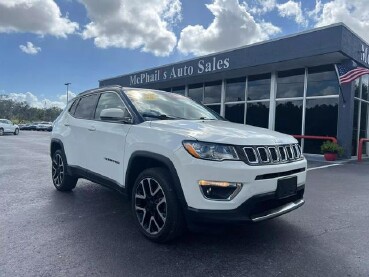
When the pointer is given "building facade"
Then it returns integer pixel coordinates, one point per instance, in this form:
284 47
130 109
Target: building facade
289 85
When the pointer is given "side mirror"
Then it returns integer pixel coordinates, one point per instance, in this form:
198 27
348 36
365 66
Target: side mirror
116 114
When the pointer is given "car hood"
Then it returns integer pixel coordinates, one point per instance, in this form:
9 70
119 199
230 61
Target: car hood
226 132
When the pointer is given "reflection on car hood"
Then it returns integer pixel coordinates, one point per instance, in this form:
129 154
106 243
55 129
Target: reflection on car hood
223 132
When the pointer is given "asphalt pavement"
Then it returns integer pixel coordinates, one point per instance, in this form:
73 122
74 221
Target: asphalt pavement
90 231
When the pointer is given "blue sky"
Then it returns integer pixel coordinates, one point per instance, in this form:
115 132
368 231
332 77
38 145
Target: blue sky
59 52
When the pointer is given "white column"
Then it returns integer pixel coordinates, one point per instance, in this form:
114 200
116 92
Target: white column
272 104
304 109
222 98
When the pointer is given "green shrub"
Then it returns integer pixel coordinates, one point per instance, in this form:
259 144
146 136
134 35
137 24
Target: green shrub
331 147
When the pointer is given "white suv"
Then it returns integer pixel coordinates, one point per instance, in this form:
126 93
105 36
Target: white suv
178 162
6 126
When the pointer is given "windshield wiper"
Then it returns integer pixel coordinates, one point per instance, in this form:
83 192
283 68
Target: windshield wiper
204 118
161 116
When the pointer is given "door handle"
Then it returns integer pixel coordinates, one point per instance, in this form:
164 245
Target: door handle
92 128
66 124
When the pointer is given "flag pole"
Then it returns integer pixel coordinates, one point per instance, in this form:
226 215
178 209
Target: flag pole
340 85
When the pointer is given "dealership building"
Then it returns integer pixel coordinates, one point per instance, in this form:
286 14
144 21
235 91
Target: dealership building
288 84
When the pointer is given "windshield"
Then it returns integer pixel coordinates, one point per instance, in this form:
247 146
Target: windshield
163 105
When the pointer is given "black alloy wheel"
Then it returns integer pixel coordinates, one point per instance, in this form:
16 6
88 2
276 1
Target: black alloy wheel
156 207
61 179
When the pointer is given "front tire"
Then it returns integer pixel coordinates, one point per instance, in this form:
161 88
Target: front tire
16 132
156 207
62 181
1 132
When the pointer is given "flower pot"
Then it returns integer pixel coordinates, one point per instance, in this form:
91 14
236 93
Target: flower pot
330 156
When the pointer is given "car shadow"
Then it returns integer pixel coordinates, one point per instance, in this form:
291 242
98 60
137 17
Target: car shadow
101 231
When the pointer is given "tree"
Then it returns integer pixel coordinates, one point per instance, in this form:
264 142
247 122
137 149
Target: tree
21 112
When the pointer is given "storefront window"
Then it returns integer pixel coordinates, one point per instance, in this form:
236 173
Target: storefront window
258 87
258 114
355 128
288 117
321 120
179 90
195 92
212 92
235 112
322 81
235 90
215 108
291 83
364 85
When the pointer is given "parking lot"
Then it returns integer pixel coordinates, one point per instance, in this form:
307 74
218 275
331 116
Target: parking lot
90 232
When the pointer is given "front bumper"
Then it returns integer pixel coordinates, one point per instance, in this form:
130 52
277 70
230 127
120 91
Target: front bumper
257 208
256 180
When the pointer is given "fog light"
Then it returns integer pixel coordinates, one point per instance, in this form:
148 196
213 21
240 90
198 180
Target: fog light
216 190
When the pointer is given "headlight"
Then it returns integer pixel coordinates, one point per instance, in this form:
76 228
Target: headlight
210 151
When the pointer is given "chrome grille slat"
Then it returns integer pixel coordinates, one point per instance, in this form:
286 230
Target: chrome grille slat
254 159
272 154
263 154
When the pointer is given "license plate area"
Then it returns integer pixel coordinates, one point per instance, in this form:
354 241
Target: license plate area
286 187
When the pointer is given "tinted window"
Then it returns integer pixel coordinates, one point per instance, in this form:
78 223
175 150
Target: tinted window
258 114
291 83
86 107
212 92
72 109
108 101
235 89
288 117
179 90
321 120
235 112
322 80
258 87
195 92
215 108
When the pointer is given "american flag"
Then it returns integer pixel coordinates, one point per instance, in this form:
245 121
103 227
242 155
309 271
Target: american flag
349 71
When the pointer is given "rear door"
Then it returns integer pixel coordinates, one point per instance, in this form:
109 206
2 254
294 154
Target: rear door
107 140
78 141
9 127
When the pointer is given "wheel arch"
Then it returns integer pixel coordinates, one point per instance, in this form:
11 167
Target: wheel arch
56 144
141 160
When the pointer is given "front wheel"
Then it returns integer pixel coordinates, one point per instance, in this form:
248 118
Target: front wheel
62 181
16 132
1 131
156 207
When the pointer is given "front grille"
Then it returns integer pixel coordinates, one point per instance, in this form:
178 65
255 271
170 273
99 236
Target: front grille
263 155
251 155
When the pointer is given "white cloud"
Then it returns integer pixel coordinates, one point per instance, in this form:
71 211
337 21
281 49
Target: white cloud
133 24
292 9
263 6
41 17
232 26
29 48
354 13
33 101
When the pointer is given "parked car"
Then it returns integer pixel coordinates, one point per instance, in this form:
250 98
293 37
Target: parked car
178 162
33 126
44 126
6 126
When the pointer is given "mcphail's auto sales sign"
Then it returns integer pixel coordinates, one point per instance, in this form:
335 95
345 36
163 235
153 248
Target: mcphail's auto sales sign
201 66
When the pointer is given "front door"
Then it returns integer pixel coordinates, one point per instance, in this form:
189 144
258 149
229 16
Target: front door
108 140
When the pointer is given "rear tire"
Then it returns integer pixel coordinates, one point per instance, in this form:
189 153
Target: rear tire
16 132
155 206
62 181
1 131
